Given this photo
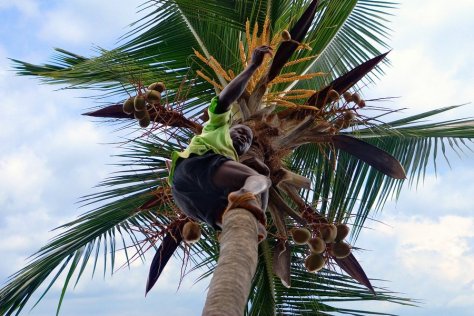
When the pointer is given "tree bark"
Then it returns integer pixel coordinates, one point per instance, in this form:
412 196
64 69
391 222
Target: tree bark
230 284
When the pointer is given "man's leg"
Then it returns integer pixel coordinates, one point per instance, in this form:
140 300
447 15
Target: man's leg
245 184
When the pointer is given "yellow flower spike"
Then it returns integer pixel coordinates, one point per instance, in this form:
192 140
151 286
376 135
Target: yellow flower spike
243 57
297 61
203 76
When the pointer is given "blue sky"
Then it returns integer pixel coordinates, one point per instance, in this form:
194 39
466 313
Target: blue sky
50 156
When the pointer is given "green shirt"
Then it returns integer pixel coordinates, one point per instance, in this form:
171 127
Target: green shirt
214 137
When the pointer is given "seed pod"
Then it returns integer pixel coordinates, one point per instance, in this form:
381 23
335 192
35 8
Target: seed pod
356 98
342 232
145 121
153 96
361 104
157 86
286 35
347 96
139 103
128 106
333 95
329 233
300 235
340 250
316 245
191 232
140 114
314 262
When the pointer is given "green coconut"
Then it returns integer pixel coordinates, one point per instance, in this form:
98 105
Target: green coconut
140 114
139 103
191 232
300 235
317 245
153 96
128 106
314 262
145 121
157 86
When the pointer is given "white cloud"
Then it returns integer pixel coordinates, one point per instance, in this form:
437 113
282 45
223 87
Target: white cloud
27 8
82 22
427 257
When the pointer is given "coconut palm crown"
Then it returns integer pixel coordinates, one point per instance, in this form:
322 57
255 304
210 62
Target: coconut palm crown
332 161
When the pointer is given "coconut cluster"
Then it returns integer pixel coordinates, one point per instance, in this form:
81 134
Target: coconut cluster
327 240
141 104
347 114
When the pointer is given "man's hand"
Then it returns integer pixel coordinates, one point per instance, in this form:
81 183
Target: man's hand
259 53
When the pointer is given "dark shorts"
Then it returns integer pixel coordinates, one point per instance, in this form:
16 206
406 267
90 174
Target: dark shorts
193 189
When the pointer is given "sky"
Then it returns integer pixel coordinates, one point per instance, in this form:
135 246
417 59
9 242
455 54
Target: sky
50 155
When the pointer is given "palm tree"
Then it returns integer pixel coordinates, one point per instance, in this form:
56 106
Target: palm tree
330 160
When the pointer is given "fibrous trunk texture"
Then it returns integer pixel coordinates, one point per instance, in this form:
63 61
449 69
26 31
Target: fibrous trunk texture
230 284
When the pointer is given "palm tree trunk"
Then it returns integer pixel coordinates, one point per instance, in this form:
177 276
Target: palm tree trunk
230 284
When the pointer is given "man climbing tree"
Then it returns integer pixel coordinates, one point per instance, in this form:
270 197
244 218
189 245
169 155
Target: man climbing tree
207 178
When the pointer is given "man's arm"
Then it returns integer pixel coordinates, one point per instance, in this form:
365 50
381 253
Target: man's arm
236 87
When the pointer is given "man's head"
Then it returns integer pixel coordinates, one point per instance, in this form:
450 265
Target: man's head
241 138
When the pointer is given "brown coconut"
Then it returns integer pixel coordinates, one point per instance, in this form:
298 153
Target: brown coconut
340 250
329 233
191 232
316 245
314 262
300 235
342 232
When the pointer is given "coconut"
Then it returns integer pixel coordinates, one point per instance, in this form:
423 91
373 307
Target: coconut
153 96
128 106
314 262
139 103
140 114
333 95
191 232
145 121
361 104
342 232
349 115
340 250
356 98
347 96
316 245
286 35
300 235
157 86
329 233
